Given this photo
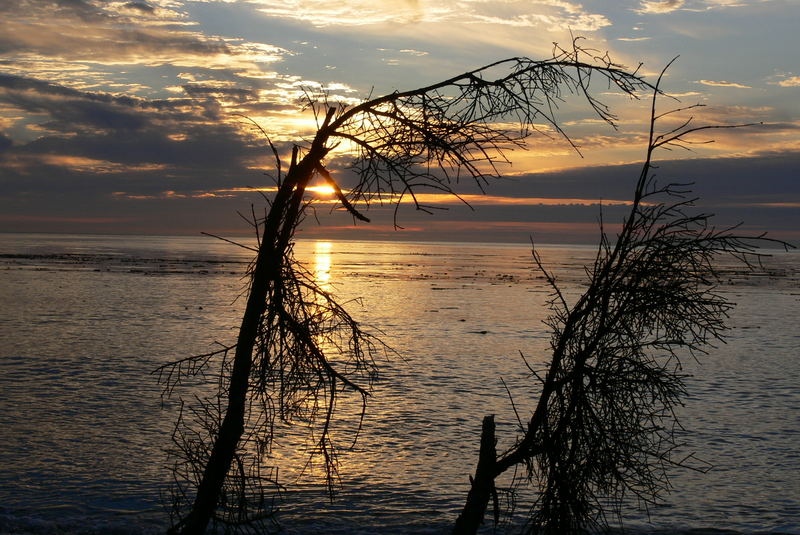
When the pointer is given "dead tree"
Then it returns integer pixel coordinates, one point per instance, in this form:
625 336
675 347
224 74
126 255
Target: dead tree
294 357
604 427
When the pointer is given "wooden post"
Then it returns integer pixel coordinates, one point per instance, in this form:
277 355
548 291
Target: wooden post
483 488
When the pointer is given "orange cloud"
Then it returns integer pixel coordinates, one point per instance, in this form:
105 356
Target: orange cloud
79 164
324 197
775 204
484 200
723 83
792 81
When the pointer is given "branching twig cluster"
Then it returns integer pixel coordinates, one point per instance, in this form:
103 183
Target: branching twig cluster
604 428
431 138
308 351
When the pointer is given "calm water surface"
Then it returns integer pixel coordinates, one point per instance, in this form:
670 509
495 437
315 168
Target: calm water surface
87 318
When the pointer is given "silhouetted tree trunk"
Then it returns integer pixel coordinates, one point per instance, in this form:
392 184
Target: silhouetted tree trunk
230 432
278 230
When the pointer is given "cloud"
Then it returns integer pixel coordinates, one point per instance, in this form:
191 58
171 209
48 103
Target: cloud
659 6
685 94
104 45
346 12
103 96
699 6
5 143
736 113
69 110
792 81
60 220
37 34
79 164
157 183
712 4
231 93
56 108
515 13
723 83
413 52
88 134
668 6
140 7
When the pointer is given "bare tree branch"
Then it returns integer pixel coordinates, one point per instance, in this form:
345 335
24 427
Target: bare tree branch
604 426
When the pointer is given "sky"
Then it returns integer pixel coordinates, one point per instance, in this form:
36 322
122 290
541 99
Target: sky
131 117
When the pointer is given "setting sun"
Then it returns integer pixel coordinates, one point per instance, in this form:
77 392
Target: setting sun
323 189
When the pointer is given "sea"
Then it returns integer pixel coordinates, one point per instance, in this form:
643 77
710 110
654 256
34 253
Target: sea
86 319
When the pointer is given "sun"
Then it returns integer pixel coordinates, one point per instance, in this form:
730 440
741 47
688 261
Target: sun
323 189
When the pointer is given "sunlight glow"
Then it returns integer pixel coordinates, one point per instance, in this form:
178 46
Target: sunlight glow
322 189
478 200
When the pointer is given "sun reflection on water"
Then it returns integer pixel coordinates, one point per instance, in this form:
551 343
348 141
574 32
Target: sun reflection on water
322 263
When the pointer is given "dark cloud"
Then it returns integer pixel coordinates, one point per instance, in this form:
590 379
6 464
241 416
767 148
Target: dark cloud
5 143
92 145
76 8
715 180
239 93
111 33
70 110
80 7
140 6
183 149
777 127
141 40
97 144
96 116
56 10
104 44
18 85
735 190
254 107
